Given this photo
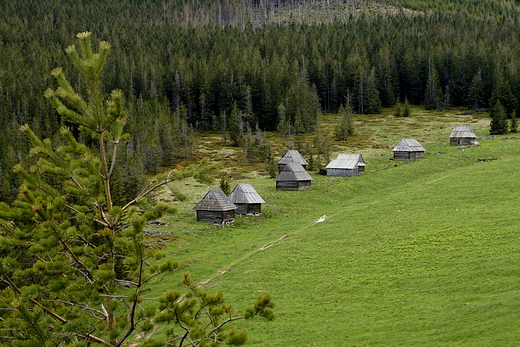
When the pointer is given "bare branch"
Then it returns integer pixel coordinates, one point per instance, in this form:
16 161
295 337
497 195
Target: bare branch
146 192
113 296
93 339
152 276
126 283
87 242
76 182
113 163
87 308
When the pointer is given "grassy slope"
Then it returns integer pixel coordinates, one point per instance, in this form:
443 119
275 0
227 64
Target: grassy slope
416 255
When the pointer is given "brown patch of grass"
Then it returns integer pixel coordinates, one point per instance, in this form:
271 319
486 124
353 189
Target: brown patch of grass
374 137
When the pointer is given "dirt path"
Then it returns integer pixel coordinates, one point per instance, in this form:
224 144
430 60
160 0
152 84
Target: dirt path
233 264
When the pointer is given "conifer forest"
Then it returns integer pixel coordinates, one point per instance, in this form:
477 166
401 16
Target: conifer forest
100 100
191 66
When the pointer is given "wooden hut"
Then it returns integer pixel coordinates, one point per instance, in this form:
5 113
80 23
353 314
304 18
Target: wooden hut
215 207
408 149
346 164
247 200
463 135
293 177
290 156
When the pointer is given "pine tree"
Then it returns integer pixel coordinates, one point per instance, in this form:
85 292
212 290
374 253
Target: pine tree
236 127
476 92
371 97
502 92
272 168
343 128
397 110
406 109
498 124
302 104
513 124
433 97
225 186
75 268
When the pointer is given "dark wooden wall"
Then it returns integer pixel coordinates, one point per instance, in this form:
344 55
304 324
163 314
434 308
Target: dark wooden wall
216 216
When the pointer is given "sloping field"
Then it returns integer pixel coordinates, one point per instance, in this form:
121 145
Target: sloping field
420 254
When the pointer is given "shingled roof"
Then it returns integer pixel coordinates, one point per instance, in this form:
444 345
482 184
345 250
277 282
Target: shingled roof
244 193
293 172
346 161
215 200
465 131
292 155
408 145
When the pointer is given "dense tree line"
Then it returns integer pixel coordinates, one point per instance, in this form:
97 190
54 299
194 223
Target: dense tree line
187 66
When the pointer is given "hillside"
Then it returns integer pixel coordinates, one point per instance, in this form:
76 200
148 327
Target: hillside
203 66
420 254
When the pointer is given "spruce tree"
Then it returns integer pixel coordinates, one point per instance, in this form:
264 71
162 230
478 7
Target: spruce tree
433 98
475 98
236 127
406 109
397 110
225 186
513 124
498 124
371 97
75 269
343 128
302 104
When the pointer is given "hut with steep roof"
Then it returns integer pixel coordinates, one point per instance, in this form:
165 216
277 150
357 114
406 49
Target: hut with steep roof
463 135
247 200
408 149
292 155
347 165
215 207
293 177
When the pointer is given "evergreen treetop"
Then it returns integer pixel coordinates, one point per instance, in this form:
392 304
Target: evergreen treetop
75 267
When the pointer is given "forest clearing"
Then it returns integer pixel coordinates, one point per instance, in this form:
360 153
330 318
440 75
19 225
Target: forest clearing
120 146
419 254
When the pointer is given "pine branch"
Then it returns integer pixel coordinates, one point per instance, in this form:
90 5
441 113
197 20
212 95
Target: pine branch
48 311
32 324
135 301
88 274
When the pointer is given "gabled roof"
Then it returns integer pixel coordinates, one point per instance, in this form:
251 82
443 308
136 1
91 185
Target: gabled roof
463 131
244 193
408 145
215 200
347 161
293 172
292 155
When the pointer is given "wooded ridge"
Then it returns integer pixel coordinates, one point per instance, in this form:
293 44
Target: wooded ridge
205 65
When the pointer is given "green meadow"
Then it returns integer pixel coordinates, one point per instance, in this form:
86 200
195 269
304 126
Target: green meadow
423 253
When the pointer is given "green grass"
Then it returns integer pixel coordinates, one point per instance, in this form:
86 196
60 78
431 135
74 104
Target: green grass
416 254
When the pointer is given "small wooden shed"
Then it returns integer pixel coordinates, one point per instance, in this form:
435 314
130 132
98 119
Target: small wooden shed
289 156
293 177
346 164
408 149
463 135
215 207
247 200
